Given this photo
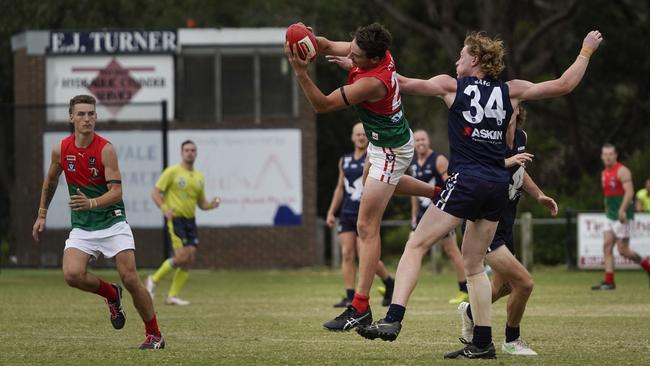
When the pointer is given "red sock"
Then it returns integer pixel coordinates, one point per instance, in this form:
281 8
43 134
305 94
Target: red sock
106 290
151 326
360 302
645 263
609 277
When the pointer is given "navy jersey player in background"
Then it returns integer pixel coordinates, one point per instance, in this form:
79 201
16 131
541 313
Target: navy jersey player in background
480 108
431 167
509 277
347 196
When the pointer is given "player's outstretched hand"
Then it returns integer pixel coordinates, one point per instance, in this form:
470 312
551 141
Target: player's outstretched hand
592 40
299 65
519 159
549 203
343 62
38 228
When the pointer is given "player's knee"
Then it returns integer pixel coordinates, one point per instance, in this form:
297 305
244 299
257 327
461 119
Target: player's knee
365 229
420 245
130 280
73 278
347 256
526 284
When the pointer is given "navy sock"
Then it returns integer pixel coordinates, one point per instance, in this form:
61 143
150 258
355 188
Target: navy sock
512 333
469 312
482 336
462 286
395 313
349 293
389 282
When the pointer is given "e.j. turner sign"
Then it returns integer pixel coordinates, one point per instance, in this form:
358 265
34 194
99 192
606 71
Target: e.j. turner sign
106 42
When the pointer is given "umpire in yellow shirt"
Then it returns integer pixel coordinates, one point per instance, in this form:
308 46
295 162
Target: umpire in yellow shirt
177 193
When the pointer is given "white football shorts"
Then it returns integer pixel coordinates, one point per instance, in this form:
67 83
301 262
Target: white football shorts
107 242
388 164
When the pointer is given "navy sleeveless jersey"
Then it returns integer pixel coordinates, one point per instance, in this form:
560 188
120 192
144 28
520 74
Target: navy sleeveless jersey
427 172
353 182
478 120
516 182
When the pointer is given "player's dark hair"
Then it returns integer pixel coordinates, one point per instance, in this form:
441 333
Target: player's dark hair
187 142
81 99
373 39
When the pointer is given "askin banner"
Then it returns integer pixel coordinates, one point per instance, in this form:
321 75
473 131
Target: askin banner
590 240
129 72
263 188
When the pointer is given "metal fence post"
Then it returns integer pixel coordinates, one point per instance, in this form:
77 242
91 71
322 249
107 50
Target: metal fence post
320 240
164 128
334 245
569 238
526 220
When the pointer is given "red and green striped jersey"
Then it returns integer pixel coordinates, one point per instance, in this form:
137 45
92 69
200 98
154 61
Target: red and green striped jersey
614 192
84 169
384 120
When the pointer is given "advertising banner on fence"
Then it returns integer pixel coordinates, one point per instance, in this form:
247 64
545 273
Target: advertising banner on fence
590 240
127 88
256 173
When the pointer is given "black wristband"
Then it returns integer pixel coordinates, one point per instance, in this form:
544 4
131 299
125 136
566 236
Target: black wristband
114 181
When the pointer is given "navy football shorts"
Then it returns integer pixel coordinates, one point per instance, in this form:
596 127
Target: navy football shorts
503 236
473 198
347 222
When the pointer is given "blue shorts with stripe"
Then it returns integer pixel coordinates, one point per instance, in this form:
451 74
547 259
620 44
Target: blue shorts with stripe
473 198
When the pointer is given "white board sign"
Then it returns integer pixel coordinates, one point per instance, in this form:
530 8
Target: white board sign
256 173
590 240
127 88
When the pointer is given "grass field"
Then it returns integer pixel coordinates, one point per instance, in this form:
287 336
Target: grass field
275 317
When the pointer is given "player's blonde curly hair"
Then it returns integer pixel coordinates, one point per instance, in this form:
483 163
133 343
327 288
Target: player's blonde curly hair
490 52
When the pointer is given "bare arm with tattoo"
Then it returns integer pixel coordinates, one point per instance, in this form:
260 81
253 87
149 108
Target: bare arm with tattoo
50 183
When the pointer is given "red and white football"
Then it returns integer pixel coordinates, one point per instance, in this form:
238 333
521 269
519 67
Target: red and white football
298 34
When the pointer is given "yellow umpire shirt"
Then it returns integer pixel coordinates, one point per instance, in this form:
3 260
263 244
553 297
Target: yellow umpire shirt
642 195
182 190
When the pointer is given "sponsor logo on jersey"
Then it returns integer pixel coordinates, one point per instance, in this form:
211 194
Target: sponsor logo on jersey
70 158
71 166
181 182
375 136
487 134
92 161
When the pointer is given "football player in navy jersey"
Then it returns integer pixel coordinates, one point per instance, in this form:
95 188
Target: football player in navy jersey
431 167
509 276
480 109
347 196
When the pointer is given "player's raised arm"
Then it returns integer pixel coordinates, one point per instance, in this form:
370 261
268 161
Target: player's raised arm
360 91
50 183
443 86
332 48
526 90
